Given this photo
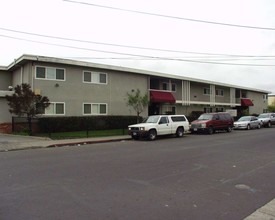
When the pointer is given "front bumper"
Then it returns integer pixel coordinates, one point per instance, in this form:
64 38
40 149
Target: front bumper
240 127
198 130
138 133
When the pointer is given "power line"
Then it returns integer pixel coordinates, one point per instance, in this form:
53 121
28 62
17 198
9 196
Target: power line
127 46
134 55
172 17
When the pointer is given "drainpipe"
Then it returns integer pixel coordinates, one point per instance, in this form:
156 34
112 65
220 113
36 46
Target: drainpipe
21 74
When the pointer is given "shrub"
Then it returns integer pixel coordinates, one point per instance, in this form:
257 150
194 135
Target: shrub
66 124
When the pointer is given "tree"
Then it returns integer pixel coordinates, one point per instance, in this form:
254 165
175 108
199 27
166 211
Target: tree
271 108
24 102
137 101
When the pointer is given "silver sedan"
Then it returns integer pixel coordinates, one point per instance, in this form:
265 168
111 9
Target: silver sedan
247 122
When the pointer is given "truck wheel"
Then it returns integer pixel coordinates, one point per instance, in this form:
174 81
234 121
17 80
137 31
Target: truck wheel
152 135
180 132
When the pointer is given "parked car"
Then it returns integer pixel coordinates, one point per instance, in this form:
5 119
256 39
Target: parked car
247 122
211 122
267 119
160 125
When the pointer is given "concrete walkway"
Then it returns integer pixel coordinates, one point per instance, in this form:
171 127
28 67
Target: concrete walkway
17 142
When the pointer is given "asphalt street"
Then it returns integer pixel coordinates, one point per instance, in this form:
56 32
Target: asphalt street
220 176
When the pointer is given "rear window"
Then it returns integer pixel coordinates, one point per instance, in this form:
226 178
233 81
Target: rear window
178 118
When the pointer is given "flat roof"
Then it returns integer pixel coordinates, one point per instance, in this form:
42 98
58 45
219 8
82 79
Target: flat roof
26 57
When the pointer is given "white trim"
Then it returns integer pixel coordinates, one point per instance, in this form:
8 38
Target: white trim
94 72
27 57
92 103
49 67
208 103
55 109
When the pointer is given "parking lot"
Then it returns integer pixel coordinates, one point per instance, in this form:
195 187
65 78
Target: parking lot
219 176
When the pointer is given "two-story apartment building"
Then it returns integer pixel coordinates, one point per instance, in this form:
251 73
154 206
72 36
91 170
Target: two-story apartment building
77 88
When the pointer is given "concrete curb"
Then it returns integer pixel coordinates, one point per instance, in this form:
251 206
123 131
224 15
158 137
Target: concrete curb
36 143
88 142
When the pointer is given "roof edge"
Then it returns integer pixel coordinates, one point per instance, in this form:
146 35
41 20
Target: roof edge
26 57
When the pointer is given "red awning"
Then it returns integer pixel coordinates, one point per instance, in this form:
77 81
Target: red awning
246 102
162 97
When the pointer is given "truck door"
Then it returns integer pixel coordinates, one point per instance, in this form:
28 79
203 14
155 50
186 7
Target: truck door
164 126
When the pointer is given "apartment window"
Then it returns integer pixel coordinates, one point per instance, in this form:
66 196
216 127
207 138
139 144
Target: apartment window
50 73
169 110
219 109
95 109
265 96
92 77
174 87
165 86
55 108
219 92
206 91
207 110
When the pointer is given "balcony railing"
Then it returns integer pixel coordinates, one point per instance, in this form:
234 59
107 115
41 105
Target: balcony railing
3 93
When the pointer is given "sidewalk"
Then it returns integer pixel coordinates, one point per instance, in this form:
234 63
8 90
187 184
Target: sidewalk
17 142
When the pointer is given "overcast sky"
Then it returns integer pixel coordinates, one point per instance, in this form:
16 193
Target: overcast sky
226 41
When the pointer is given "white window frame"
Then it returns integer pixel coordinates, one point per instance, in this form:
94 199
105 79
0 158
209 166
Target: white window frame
207 109
54 108
95 75
219 92
220 109
98 104
205 91
47 69
165 84
175 86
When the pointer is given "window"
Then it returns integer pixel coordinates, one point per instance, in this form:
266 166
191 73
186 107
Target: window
165 86
265 97
219 109
219 92
94 109
163 120
207 110
92 77
206 91
178 118
55 108
50 73
174 87
169 110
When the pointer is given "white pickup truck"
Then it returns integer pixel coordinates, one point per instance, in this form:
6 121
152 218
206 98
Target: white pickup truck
160 125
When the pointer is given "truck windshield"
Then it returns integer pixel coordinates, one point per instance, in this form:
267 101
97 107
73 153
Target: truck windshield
152 119
205 117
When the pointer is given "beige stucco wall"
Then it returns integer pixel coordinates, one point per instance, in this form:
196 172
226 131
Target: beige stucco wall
260 104
271 100
196 92
74 92
5 116
5 80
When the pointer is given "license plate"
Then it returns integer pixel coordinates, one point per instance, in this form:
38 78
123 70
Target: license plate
134 133
195 129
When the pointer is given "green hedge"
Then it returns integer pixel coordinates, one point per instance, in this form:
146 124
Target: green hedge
66 124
